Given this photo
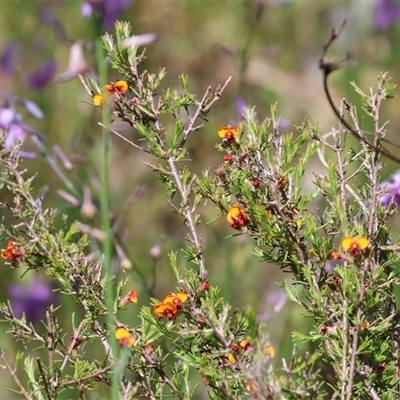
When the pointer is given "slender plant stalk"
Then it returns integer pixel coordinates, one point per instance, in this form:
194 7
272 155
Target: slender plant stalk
105 209
244 56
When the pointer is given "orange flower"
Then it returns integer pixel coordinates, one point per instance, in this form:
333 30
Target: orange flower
12 252
125 339
119 86
227 132
244 344
270 350
130 297
355 246
98 100
236 217
251 386
334 256
170 305
364 325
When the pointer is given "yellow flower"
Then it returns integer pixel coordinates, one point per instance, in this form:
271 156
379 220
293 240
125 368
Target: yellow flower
125 339
170 305
270 350
236 217
98 100
232 358
355 246
227 132
244 344
251 387
364 325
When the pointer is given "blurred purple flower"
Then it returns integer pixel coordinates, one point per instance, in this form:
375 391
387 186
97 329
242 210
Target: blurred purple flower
7 66
9 122
39 78
31 107
386 13
273 304
284 124
32 300
392 189
140 40
110 10
241 106
76 63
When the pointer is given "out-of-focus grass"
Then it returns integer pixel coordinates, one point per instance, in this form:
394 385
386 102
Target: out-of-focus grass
195 39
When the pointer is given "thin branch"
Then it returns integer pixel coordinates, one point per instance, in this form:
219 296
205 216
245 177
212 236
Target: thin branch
189 217
328 68
93 375
46 386
125 139
202 108
13 375
321 156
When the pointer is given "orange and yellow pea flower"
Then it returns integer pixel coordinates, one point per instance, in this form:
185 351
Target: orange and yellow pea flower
270 350
251 386
227 132
130 297
232 358
98 100
170 305
125 339
355 246
119 86
364 325
12 252
236 217
244 344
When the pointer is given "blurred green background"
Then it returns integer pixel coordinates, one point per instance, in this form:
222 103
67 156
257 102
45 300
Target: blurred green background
206 40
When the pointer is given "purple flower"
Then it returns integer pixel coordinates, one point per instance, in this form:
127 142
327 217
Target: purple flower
391 189
284 124
241 107
110 10
76 63
9 122
113 9
274 303
387 12
7 66
140 40
32 300
39 78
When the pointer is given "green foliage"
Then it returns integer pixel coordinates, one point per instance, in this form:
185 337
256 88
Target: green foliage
194 330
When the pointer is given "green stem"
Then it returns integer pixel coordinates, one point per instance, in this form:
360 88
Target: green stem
244 56
105 215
